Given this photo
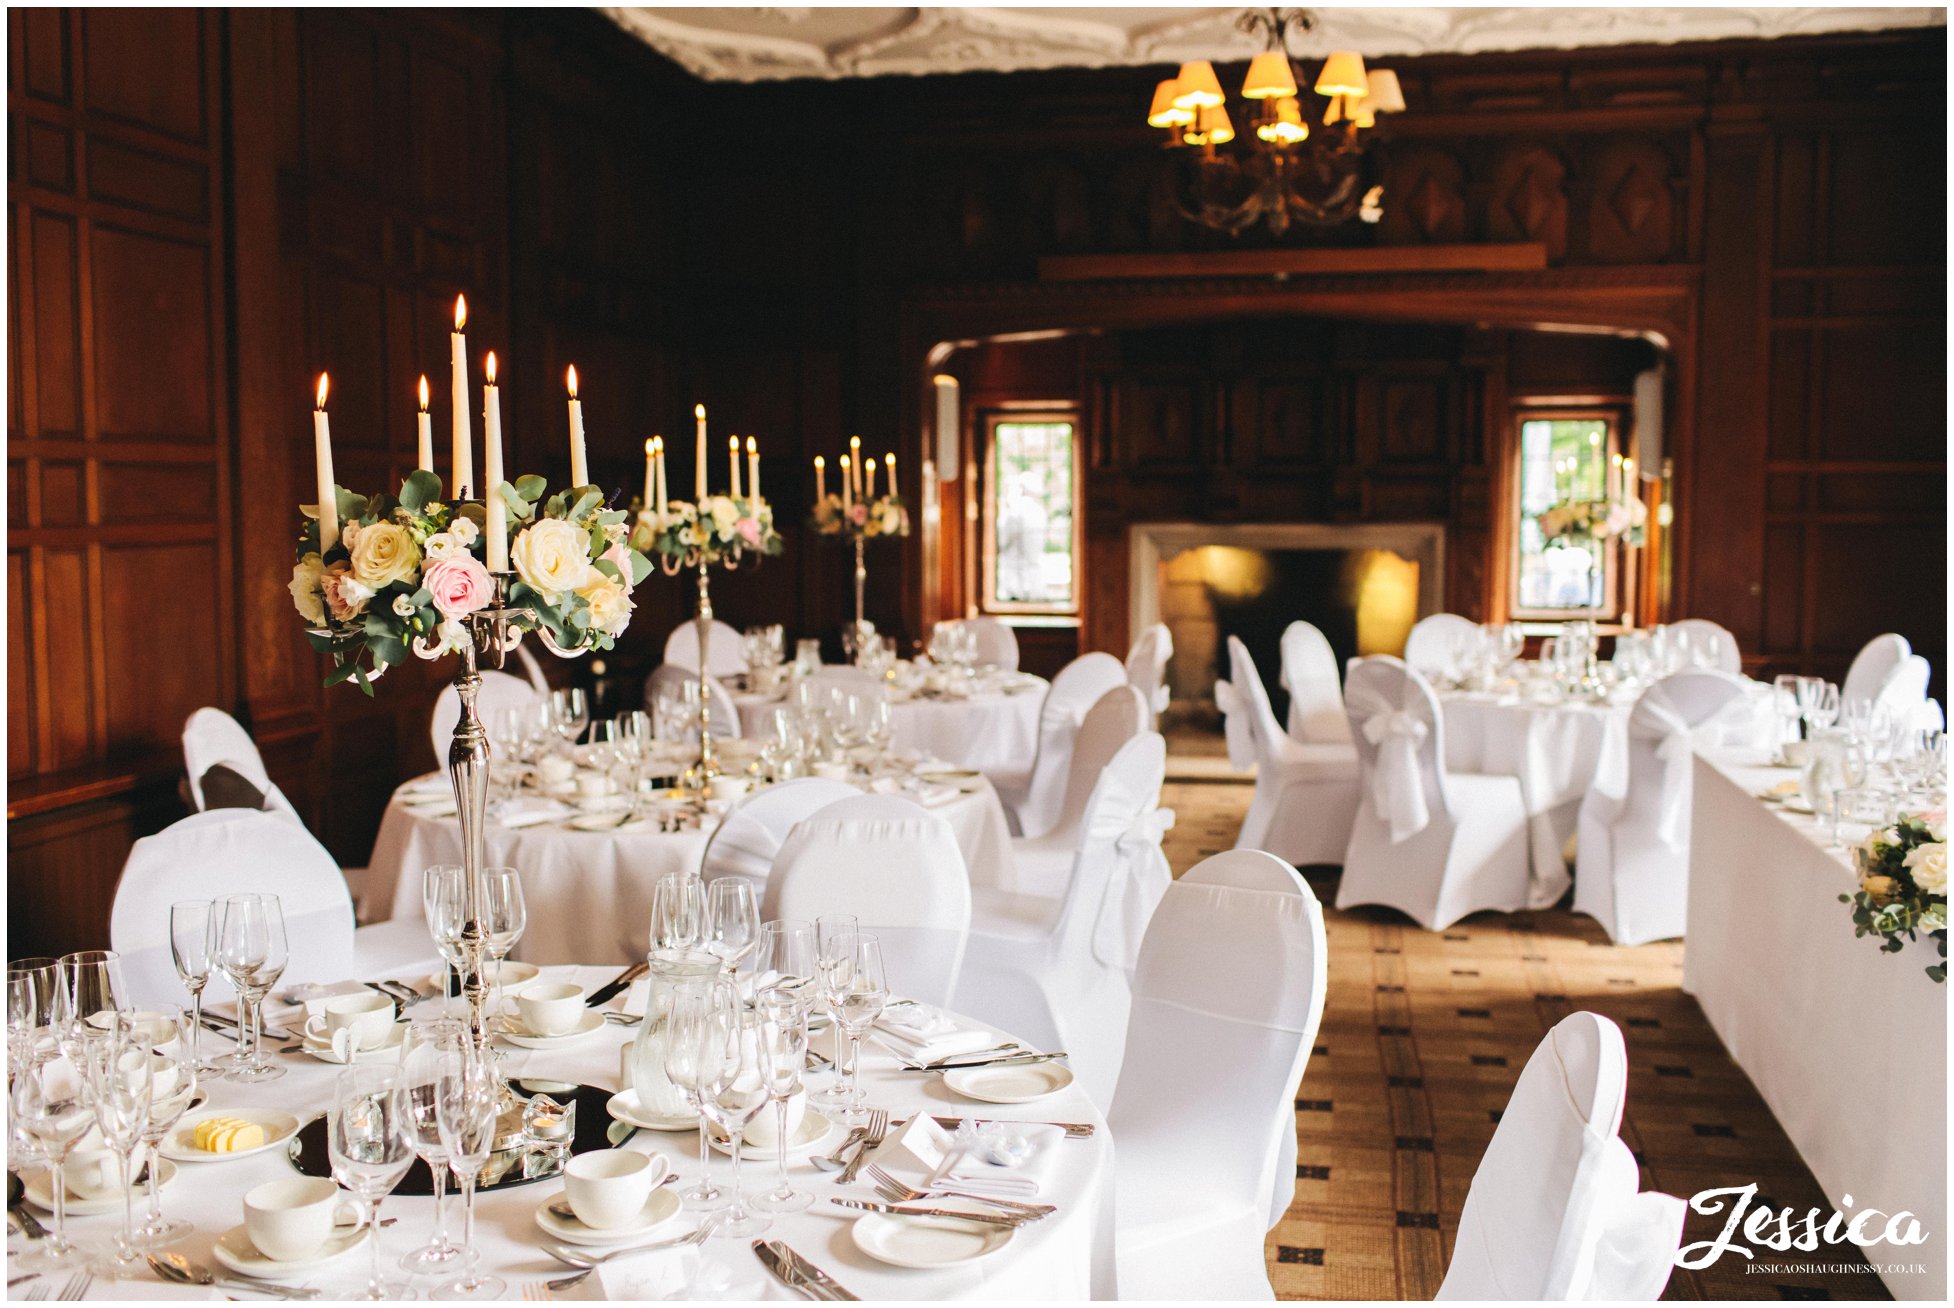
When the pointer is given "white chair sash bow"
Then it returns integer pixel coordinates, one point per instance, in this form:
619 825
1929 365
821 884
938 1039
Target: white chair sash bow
1236 725
1654 719
1140 878
1397 791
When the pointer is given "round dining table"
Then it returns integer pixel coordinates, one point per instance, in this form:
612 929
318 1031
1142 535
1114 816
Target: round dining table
990 730
588 892
1067 1255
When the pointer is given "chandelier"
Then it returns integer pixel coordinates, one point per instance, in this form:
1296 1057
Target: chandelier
1282 172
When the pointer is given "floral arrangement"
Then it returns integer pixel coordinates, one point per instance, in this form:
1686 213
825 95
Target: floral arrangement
1596 520
407 570
718 528
1903 886
886 515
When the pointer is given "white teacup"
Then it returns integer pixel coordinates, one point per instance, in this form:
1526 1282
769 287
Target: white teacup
761 1128
608 1188
551 1008
593 785
555 769
291 1220
93 1174
366 1019
730 787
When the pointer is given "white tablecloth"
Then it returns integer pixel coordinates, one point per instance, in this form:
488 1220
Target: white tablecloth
992 732
1847 1045
1066 1256
589 892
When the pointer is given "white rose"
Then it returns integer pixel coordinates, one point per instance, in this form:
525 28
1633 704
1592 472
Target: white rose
610 604
724 514
1928 864
383 554
552 556
404 605
464 530
444 545
307 595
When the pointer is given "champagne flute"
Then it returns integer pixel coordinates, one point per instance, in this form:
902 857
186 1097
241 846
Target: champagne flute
504 917
169 1099
190 955
690 1066
734 1085
370 1139
120 1074
251 951
861 1000
51 1112
427 1043
467 1094
835 935
732 923
678 910
783 1052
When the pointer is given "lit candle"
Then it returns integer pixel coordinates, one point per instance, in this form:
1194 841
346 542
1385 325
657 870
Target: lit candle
651 472
855 462
820 479
733 465
498 511
579 471
868 480
464 450
699 412
426 431
847 482
322 457
753 469
889 462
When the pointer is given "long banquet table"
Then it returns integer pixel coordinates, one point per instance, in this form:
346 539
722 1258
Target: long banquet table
1847 1045
1065 1256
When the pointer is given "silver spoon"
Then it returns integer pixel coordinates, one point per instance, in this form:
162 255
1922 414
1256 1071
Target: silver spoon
172 1266
834 1162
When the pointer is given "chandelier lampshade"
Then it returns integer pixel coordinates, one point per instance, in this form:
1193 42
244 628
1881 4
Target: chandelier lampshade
1385 95
1343 74
1199 88
1165 113
1269 77
1287 127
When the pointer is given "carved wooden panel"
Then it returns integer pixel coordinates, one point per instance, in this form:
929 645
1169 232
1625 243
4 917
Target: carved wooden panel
1424 198
1529 199
1633 196
1412 419
1289 425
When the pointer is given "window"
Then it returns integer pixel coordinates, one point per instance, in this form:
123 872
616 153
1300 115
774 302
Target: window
1564 457
1031 514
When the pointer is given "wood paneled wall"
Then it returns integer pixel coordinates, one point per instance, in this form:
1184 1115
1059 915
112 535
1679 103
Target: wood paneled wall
206 207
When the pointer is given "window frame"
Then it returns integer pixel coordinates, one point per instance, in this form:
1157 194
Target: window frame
1029 414
1615 417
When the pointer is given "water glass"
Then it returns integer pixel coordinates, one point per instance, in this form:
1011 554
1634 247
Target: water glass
678 911
783 1052
427 1043
690 1065
569 713
732 921
33 990
51 1111
121 1075
249 948
170 1098
856 1003
734 1085
835 937
370 1138
467 1095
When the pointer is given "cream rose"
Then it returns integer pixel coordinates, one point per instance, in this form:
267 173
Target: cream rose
1928 864
308 574
383 554
443 545
552 556
610 604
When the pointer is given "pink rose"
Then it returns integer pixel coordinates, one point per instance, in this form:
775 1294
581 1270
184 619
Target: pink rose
345 597
858 514
749 530
458 586
619 555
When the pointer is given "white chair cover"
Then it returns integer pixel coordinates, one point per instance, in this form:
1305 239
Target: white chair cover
1055 971
1904 694
212 736
1439 643
748 838
1872 665
1226 1003
532 670
1146 666
997 644
671 679
1043 862
1431 843
897 868
499 691
1705 635
1032 798
724 658
1309 674
1553 1212
1305 793
1633 864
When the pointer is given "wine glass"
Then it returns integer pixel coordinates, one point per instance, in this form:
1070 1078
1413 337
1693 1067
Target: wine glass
678 910
690 1065
190 955
51 1112
120 1073
734 1085
732 921
91 988
33 990
835 935
467 1094
783 1053
249 948
1786 708
175 1087
861 997
785 959
426 1044
569 713
504 917
370 1138
1818 701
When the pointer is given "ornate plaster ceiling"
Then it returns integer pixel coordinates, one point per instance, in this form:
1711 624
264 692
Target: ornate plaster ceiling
750 45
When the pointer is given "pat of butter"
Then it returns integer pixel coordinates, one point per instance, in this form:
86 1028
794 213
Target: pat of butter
227 1135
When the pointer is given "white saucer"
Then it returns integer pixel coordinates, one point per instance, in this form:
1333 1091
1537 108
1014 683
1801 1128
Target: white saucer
624 1106
589 1024
178 1144
814 1131
320 1046
35 1183
1018 1084
509 974
1796 804
661 1208
236 1252
151 1028
927 1242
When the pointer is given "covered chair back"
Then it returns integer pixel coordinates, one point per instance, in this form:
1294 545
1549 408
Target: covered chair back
1146 666
1441 644
499 691
1872 665
749 837
1309 674
210 737
1117 717
1399 733
997 644
1711 645
1078 686
669 681
724 656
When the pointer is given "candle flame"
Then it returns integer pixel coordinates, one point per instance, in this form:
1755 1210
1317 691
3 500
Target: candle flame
844 461
423 392
572 380
889 459
854 443
325 384
733 444
698 410
488 369
461 312
653 445
819 463
752 445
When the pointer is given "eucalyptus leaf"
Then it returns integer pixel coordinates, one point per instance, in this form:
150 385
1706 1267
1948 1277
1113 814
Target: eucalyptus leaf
419 490
531 487
609 569
590 499
521 508
640 566
351 506
340 673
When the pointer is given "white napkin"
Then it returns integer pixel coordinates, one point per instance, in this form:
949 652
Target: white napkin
427 787
685 1274
530 812
962 1170
922 1033
433 806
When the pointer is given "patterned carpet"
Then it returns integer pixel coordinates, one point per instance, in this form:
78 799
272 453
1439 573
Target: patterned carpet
1423 1036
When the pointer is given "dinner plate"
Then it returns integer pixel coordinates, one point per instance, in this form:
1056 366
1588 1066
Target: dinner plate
625 1107
178 1144
927 1242
236 1252
590 1023
35 1184
1018 1084
661 1208
814 1131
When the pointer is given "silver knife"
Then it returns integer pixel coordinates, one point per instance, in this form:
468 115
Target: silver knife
1013 1220
1014 1060
811 1279
783 1271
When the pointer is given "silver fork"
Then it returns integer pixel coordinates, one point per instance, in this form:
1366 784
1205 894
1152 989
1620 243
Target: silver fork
698 1237
37 1291
77 1286
878 1127
897 1193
